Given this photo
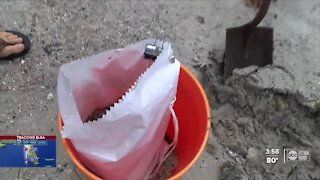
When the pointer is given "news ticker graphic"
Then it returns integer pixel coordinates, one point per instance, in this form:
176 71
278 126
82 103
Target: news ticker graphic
28 151
273 155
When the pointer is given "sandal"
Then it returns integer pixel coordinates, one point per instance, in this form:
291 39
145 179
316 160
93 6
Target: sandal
25 41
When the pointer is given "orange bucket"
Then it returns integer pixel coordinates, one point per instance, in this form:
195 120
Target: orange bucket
192 110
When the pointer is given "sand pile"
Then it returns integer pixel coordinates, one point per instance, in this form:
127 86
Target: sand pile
248 118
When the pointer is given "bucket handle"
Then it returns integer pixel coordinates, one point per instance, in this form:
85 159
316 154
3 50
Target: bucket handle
173 144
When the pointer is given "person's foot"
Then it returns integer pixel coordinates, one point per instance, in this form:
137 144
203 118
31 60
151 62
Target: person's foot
16 44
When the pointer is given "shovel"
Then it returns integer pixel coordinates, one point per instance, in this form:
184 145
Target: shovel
248 44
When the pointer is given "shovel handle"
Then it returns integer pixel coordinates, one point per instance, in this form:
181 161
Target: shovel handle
249 27
259 16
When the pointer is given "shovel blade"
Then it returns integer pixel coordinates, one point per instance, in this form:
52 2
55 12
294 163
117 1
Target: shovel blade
242 52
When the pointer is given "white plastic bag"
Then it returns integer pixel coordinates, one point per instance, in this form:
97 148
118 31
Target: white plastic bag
128 142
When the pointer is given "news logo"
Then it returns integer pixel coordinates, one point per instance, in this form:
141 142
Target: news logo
292 155
295 155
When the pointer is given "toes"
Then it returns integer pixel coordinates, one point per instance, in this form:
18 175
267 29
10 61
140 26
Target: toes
13 49
5 34
13 39
10 38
